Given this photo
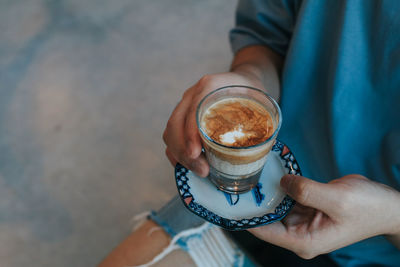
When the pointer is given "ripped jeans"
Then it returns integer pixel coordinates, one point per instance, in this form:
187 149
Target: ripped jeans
209 245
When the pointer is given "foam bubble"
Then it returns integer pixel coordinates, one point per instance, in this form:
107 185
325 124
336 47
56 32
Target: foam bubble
230 137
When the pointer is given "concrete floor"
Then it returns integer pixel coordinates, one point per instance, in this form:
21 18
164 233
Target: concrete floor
86 88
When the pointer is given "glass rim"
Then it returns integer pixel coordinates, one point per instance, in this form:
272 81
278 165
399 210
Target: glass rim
270 98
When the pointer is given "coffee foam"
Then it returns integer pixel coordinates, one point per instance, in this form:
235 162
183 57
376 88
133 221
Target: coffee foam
230 137
237 122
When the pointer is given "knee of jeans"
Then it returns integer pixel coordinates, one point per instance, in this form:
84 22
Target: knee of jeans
174 218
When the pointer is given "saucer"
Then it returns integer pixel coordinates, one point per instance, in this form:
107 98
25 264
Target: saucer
264 204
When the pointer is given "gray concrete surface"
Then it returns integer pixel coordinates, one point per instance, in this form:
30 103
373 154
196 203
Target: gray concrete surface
86 87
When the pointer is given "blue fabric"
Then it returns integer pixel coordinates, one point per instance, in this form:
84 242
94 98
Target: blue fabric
340 93
175 218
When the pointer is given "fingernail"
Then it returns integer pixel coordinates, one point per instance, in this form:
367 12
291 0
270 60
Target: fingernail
198 168
195 167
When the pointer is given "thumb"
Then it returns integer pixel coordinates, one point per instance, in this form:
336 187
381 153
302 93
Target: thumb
310 193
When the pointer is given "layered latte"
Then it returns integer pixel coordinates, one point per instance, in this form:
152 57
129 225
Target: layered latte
237 123
237 133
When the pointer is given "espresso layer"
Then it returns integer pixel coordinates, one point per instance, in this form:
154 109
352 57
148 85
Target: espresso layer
237 122
238 158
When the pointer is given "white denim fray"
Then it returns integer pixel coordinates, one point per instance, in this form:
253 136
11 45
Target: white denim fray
207 245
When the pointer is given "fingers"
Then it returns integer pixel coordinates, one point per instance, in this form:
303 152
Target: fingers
170 157
275 233
200 166
197 92
310 193
200 169
176 140
181 135
193 142
294 236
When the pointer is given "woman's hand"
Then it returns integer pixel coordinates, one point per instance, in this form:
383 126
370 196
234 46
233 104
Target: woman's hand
181 135
254 66
330 216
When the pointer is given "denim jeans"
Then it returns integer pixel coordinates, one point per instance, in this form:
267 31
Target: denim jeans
175 218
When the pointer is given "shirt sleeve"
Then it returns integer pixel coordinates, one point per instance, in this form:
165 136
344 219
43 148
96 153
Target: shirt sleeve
264 22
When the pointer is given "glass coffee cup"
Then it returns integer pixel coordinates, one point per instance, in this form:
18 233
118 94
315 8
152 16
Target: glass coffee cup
251 120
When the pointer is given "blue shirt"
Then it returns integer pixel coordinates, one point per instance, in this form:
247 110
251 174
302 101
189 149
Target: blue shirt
340 94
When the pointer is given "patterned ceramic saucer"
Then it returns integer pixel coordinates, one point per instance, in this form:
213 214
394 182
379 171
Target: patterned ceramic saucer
265 204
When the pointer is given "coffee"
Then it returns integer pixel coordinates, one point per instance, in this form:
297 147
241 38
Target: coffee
237 122
238 126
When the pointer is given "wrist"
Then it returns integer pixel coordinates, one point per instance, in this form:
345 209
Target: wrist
258 78
249 72
261 66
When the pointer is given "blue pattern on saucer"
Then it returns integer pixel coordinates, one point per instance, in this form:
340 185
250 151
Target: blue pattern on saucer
231 198
279 212
258 196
